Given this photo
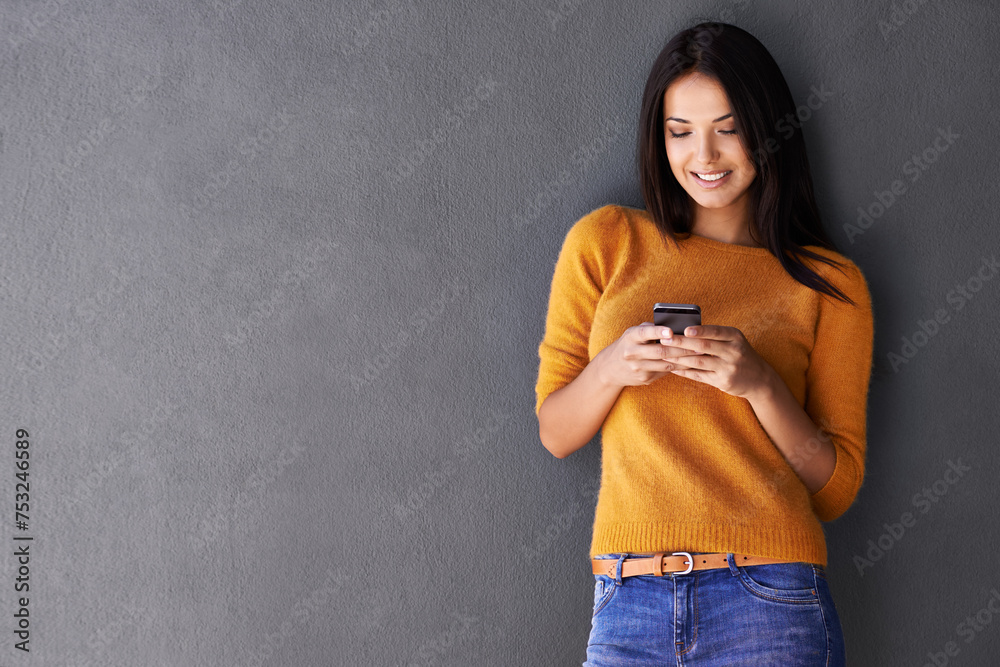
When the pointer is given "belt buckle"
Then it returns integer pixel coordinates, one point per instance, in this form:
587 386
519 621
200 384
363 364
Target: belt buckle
690 561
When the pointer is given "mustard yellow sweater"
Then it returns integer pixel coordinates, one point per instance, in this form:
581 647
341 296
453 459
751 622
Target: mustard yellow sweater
684 465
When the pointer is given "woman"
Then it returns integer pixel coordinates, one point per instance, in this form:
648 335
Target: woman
725 445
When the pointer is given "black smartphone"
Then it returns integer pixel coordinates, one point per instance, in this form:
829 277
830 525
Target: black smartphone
677 316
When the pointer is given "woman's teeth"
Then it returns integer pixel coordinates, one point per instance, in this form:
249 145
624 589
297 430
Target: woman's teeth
713 178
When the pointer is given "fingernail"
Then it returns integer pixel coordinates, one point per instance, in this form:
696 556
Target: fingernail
691 331
666 333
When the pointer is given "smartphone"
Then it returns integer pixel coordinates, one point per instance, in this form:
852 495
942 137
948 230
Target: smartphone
677 316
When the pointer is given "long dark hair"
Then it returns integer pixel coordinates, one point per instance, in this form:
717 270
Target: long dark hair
783 212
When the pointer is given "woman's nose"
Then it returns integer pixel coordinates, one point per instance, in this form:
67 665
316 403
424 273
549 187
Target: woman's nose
707 151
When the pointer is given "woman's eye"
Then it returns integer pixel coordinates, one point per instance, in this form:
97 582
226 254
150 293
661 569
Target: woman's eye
684 134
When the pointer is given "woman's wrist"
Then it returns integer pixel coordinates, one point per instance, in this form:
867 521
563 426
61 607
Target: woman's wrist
600 369
766 388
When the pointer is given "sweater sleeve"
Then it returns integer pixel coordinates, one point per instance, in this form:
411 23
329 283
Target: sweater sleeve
837 383
582 271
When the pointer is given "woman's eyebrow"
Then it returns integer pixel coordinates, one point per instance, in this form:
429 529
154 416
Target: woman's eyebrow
681 120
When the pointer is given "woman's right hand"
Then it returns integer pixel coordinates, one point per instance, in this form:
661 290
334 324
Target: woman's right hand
638 357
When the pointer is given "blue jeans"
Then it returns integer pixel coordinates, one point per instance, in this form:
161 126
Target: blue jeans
776 614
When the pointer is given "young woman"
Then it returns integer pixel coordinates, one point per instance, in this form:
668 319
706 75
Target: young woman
725 445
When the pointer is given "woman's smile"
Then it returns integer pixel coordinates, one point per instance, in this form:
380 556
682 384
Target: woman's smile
711 179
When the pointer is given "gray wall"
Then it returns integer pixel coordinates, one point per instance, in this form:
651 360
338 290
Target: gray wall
274 278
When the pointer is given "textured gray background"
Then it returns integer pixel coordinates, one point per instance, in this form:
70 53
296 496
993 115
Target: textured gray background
274 278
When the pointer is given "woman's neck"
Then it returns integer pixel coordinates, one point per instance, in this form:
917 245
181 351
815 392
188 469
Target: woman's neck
728 225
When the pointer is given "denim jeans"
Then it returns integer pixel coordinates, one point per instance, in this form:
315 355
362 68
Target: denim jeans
775 614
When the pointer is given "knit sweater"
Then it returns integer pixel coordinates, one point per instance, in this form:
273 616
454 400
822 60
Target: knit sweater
684 465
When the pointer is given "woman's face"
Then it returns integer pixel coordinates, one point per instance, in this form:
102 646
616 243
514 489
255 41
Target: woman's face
700 137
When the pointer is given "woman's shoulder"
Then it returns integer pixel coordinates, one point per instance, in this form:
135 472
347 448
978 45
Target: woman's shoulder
845 275
603 227
615 223
847 265
602 218
603 236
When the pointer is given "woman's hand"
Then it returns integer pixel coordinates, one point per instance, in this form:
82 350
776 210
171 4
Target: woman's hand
723 359
638 357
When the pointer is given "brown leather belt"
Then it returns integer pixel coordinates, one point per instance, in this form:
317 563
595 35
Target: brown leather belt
679 562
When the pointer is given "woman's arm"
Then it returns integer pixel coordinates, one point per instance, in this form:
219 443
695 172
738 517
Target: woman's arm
830 460
571 401
571 416
807 448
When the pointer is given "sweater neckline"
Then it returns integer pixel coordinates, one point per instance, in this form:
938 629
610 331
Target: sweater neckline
727 247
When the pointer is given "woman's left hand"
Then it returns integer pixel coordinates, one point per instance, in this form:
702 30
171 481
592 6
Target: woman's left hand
726 361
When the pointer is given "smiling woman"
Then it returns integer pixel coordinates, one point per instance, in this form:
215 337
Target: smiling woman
715 473
707 158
